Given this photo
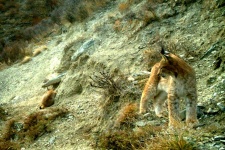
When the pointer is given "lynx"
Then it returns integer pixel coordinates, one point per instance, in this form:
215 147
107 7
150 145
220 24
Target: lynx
48 99
171 78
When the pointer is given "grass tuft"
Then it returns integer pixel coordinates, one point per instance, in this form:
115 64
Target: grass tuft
2 113
127 116
123 7
32 127
170 142
126 139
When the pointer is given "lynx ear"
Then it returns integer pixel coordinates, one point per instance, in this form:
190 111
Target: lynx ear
164 52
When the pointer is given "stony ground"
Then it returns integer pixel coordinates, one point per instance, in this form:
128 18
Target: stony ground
113 41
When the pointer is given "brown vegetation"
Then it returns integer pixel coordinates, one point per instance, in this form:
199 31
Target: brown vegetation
33 21
127 138
168 142
123 7
127 116
34 125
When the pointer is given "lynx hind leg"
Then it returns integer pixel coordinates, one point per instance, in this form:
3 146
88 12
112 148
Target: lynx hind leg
191 109
173 104
173 108
159 102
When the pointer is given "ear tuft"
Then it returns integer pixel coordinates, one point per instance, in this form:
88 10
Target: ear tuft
164 52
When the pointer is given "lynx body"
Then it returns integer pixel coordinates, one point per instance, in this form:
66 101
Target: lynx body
172 79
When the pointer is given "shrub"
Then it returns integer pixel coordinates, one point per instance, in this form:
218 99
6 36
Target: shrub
77 10
8 145
2 114
33 126
38 123
123 7
117 26
126 139
105 80
13 51
115 87
170 142
127 116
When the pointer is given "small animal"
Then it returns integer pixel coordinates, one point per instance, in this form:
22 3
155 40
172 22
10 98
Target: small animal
171 79
48 99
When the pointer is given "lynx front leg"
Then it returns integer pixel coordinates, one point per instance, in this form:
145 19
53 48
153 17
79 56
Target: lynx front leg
159 102
191 109
146 95
173 104
150 90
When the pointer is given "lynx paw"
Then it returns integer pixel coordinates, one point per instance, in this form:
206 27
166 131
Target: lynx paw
192 123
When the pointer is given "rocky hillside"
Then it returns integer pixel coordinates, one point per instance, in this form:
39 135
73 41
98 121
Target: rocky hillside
100 63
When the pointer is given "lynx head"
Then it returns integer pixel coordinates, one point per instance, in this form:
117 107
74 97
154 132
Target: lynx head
168 63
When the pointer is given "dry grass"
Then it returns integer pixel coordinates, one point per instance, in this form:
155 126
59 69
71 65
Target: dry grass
3 66
147 137
29 129
117 91
8 145
170 142
127 116
14 51
82 9
119 139
2 113
123 7
117 26
126 139
108 82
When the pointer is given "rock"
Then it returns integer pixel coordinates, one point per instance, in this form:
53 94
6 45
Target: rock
200 105
223 141
51 140
212 111
54 80
83 49
164 11
221 106
211 80
70 116
140 123
210 50
183 114
141 46
154 123
200 112
219 137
